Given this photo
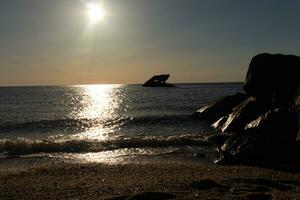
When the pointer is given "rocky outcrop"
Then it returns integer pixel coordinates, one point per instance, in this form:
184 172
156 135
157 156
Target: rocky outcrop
221 107
264 124
242 114
296 107
269 137
158 81
273 78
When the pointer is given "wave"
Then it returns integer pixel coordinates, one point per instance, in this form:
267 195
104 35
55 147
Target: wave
26 146
47 124
83 124
164 119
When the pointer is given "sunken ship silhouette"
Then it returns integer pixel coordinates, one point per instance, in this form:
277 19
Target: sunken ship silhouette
158 81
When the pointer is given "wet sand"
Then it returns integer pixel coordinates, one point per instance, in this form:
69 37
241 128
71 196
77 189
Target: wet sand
157 180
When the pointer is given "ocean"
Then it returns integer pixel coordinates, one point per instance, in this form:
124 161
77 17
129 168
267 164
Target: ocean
107 123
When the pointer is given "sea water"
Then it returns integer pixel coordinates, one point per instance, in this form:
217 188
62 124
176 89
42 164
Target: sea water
106 123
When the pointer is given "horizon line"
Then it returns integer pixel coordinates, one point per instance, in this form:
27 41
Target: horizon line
70 85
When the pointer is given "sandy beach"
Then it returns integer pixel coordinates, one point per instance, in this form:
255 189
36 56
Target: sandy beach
156 180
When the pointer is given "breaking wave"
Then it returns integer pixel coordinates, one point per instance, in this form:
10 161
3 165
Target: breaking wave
26 146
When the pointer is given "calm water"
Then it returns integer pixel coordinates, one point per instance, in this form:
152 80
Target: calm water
105 121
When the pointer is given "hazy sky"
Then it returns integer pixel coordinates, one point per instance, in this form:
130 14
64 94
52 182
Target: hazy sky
50 42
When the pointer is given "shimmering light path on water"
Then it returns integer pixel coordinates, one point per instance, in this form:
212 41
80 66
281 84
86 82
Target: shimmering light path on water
99 103
105 122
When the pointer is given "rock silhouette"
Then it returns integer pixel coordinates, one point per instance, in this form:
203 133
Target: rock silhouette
273 78
264 122
221 107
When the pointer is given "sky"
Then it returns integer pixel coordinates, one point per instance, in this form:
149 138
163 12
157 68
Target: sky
53 42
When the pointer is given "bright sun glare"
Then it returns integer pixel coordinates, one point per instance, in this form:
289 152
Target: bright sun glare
95 12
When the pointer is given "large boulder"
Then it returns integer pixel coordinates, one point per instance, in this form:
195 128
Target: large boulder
264 123
221 107
296 108
273 77
270 137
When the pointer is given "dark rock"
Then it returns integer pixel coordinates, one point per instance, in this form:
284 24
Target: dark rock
158 81
264 123
218 139
238 149
298 145
220 108
296 108
270 137
273 77
244 113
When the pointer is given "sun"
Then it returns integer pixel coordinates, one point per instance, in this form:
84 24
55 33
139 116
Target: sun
95 12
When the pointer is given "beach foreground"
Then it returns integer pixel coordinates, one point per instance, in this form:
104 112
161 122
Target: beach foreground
156 180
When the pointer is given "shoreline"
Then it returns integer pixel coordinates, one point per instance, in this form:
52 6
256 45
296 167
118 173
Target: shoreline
181 180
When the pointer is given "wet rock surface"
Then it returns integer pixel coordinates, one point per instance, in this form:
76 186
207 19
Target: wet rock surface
247 111
220 108
264 122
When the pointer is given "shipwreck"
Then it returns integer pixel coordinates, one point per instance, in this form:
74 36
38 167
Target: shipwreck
158 81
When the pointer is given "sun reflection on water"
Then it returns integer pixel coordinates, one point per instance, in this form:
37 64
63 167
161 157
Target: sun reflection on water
99 103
